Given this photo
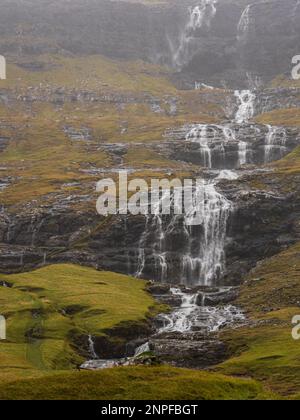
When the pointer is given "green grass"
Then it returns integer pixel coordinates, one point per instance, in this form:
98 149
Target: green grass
289 117
41 158
95 73
47 309
265 350
159 383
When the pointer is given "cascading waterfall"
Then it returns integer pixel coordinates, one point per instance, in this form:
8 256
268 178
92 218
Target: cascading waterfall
246 108
244 24
208 264
275 147
201 235
190 315
213 140
243 148
200 16
199 134
190 249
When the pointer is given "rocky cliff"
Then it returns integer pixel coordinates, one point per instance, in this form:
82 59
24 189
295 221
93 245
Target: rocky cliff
218 42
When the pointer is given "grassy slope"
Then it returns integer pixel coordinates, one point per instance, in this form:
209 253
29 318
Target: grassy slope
159 383
37 359
41 158
40 334
289 117
265 349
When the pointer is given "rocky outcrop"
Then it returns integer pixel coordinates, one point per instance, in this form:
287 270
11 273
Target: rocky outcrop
261 225
188 350
231 145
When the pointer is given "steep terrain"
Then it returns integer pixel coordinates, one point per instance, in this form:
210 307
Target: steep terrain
163 90
209 41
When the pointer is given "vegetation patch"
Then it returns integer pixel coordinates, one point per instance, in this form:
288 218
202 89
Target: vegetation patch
265 349
45 309
142 383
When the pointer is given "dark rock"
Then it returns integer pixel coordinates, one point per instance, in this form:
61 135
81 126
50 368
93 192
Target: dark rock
215 299
192 351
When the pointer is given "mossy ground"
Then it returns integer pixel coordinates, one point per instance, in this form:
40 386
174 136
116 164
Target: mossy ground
45 309
265 350
288 117
135 383
41 158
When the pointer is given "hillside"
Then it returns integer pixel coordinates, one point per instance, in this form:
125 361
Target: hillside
118 305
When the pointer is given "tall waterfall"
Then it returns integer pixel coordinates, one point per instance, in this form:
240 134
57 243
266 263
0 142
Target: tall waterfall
245 22
200 16
188 248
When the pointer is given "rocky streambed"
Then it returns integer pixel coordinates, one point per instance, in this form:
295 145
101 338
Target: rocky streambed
186 336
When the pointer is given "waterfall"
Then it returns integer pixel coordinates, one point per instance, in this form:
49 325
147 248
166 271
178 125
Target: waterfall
211 138
191 315
243 146
208 264
246 109
244 24
200 16
181 320
275 146
227 174
144 348
192 245
199 134
92 347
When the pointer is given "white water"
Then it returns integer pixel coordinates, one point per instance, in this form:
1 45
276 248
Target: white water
214 138
243 148
246 20
212 213
202 230
199 134
211 137
227 174
275 146
92 348
200 16
192 316
246 109
144 348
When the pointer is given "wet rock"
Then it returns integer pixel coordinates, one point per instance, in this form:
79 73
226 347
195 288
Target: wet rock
158 289
191 350
221 146
220 298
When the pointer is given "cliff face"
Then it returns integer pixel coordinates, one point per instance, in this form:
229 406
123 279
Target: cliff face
99 116
225 42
